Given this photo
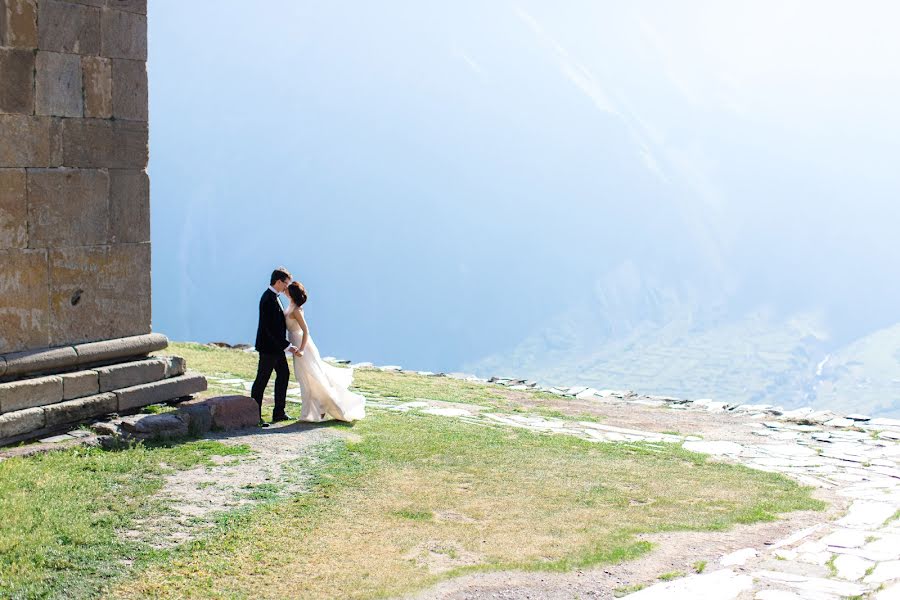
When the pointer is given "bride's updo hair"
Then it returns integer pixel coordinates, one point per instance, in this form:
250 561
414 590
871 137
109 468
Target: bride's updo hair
297 293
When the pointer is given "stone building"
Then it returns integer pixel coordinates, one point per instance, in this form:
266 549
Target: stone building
75 217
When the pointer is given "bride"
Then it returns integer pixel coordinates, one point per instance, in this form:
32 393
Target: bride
324 388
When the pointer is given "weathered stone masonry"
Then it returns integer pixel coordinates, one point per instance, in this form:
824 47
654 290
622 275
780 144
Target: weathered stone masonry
74 197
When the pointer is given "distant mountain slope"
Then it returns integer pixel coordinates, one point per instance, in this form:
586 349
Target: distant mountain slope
864 375
750 356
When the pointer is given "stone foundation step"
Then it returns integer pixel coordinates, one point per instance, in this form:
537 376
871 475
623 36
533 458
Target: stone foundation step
66 358
139 396
32 422
51 389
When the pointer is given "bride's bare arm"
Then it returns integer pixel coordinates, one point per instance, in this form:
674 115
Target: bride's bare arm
298 314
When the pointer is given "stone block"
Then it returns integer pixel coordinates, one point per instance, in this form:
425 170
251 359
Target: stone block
2 366
129 89
198 418
135 6
58 85
138 345
38 141
39 361
29 393
129 206
72 411
99 143
125 375
24 315
17 77
13 209
234 412
175 366
99 293
80 384
162 426
124 35
21 421
221 412
160 391
67 207
97 80
68 27
18 24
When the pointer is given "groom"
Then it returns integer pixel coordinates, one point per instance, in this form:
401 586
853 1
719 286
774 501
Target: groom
271 343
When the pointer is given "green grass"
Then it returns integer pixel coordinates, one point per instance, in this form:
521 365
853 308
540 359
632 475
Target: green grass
832 569
699 566
671 575
263 491
619 592
61 510
415 515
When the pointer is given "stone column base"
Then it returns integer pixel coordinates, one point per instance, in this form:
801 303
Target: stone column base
56 388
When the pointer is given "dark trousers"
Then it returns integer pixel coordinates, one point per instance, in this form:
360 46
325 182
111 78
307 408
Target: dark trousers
268 363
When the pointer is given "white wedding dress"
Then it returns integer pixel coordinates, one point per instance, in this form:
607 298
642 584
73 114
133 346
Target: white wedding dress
325 389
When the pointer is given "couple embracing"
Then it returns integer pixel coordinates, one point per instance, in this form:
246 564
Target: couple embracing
323 387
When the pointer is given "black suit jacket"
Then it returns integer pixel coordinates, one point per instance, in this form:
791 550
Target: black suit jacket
271 333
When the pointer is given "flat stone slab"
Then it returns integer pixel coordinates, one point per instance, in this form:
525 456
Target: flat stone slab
724 584
80 384
30 393
777 595
797 536
812 585
738 557
159 391
884 571
165 425
129 374
80 409
53 439
866 514
851 568
20 422
845 538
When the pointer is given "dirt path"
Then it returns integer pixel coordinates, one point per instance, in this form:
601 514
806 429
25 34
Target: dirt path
278 467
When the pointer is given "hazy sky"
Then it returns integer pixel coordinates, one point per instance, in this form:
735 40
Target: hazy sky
447 177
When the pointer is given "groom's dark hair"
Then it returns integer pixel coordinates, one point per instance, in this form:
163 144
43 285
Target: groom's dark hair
279 274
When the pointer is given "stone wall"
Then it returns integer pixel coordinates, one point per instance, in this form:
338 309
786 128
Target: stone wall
75 339
74 192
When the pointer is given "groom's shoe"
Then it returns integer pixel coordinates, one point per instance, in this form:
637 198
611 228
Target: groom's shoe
278 418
